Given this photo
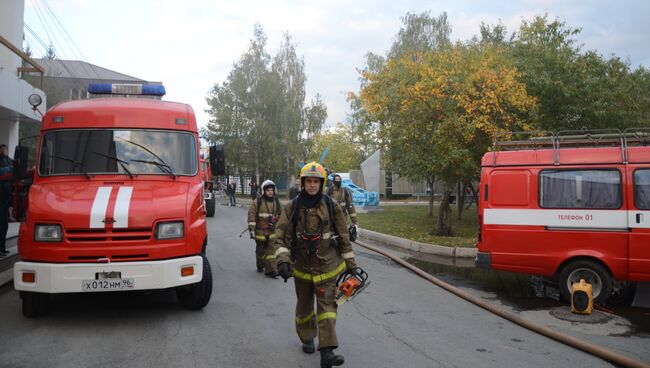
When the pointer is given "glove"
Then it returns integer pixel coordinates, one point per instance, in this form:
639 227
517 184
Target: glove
285 270
251 233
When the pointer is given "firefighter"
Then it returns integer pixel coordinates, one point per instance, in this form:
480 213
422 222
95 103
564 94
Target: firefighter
263 215
311 233
343 198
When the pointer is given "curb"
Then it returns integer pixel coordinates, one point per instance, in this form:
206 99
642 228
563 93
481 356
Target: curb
438 250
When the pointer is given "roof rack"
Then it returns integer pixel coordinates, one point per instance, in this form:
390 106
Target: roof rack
572 138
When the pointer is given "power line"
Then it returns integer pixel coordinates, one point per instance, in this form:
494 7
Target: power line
67 37
88 68
46 26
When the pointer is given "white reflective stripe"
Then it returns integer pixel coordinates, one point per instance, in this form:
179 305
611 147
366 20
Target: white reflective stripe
281 250
98 211
586 218
121 213
347 255
252 223
353 215
265 214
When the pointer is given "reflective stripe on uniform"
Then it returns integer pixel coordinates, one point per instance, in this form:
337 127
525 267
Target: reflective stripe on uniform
263 237
353 215
252 223
265 214
281 250
305 319
326 315
347 255
269 257
319 278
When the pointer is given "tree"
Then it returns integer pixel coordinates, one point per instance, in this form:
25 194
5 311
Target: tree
343 155
259 112
574 89
439 108
50 53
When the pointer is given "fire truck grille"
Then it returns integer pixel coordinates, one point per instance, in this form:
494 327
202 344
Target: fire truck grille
108 235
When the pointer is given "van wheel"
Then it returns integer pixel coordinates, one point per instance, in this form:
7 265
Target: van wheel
593 273
210 207
196 296
35 304
623 293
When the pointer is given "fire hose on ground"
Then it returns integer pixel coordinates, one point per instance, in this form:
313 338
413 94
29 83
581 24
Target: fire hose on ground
587 347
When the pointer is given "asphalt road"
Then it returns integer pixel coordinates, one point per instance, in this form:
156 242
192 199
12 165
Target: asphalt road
399 321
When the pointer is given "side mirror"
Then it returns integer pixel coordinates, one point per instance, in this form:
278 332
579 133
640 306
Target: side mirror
21 157
217 160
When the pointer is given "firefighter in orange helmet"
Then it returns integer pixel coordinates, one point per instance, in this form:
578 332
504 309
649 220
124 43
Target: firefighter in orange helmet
312 245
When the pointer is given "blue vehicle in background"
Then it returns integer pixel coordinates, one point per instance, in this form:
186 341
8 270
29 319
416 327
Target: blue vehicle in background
360 196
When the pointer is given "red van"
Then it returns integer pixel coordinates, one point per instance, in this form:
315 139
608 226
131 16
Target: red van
115 201
571 206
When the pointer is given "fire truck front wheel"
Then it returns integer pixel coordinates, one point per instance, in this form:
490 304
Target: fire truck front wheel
196 296
35 304
592 272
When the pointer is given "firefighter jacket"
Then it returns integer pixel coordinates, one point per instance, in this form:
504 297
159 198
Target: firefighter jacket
315 261
343 198
263 215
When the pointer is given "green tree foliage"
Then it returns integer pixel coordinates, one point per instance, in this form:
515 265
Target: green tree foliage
344 155
575 89
259 112
438 108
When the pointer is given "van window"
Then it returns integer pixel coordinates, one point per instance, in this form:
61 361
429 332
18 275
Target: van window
642 189
580 189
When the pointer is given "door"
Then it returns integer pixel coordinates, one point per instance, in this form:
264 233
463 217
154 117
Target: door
639 222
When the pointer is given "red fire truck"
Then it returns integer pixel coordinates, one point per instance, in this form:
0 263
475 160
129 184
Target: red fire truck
115 202
570 206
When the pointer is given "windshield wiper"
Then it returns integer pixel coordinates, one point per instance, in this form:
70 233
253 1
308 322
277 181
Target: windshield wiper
74 166
160 163
119 161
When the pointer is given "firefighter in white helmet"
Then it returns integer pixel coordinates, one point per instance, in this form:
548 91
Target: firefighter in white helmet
263 215
312 245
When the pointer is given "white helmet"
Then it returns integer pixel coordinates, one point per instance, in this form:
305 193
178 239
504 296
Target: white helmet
267 183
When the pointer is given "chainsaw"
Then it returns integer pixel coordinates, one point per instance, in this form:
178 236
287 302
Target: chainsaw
350 284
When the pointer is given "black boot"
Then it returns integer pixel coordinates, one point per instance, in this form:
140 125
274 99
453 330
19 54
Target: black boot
328 359
308 347
260 269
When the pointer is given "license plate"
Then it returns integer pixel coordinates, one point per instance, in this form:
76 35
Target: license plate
107 285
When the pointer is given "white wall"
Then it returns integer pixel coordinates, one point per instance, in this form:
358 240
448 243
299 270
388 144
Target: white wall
11 28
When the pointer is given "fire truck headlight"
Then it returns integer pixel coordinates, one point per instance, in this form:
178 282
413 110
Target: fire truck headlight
47 233
169 230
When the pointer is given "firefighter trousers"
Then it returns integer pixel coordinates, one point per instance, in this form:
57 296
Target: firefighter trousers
263 256
322 322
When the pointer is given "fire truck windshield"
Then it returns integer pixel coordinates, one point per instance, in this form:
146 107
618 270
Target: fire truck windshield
118 151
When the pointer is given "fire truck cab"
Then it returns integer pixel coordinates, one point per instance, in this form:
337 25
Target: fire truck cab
570 206
115 201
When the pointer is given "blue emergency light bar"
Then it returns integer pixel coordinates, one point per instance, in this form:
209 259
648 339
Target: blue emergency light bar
126 89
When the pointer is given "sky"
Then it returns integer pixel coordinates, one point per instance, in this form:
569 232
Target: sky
192 45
